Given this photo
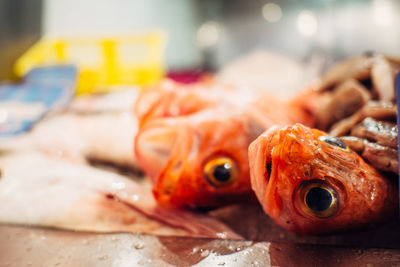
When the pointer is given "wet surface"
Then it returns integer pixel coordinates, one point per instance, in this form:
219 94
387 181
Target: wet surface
256 225
27 246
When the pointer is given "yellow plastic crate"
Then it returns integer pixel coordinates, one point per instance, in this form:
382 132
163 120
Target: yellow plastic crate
102 62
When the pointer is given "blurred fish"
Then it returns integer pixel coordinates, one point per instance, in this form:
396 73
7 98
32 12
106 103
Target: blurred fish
310 182
106 137
119 99
39 190
192 141
96 127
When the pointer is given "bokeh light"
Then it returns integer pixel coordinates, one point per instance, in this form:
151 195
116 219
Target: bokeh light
307 23
208 34
272 12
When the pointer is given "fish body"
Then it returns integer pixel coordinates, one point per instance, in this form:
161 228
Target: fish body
82 131
38 189
310 183
192 141
81 137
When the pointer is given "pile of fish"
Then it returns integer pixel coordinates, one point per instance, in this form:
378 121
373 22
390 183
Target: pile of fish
360 106
208 145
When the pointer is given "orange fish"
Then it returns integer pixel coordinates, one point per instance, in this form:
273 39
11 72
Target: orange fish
192 141
310 183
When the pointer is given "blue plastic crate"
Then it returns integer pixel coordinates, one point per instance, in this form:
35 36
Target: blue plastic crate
43 89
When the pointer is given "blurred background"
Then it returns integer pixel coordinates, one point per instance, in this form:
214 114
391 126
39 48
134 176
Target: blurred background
206 34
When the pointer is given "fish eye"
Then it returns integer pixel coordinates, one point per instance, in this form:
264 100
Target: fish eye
334 141
220 172
317 199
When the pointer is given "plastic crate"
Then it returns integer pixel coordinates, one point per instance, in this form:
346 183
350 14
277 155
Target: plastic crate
102 62
42 90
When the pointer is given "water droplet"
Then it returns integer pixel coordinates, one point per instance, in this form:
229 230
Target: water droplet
135 197
221 235
194 250
138 245
103 257
231 247
204 253
238 249
118 185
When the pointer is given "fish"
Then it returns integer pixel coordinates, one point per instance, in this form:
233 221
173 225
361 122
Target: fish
192 141
81 137
121 98
81 131
309 182
376 142
38 189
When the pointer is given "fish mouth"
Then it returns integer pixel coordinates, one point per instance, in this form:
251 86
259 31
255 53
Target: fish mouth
260 160
268 170
268 148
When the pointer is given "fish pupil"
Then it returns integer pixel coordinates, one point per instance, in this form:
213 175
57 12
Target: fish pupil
334 141
222 172
318 199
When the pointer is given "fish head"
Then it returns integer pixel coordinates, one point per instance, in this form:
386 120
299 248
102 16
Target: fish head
197 161
310 183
